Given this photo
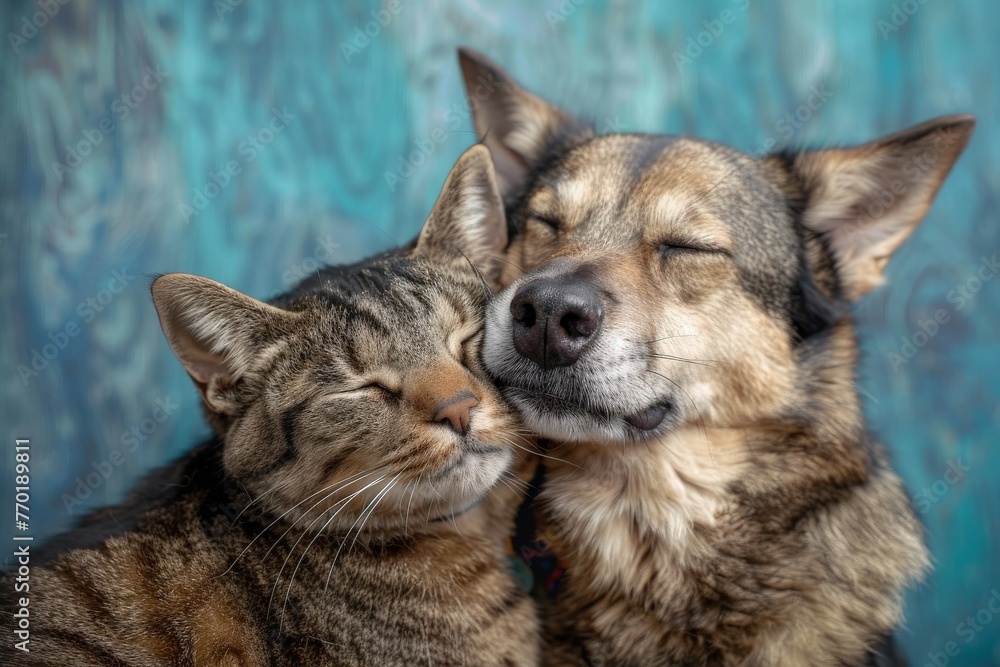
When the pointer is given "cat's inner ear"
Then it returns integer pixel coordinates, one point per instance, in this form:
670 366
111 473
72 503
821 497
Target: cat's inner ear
518 127
468 222
865 201
217 333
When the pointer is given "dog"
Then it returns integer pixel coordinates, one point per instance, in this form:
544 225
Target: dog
676 323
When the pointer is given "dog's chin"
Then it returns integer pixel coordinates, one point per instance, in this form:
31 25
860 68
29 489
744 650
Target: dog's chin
568 423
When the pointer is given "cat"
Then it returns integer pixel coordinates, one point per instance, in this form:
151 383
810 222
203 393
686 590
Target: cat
377 476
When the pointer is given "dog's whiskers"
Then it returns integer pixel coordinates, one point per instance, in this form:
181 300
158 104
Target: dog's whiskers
697 362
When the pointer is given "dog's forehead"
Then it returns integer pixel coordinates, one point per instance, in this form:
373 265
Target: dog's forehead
664 179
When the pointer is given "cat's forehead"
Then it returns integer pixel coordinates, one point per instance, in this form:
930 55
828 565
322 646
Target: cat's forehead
391 310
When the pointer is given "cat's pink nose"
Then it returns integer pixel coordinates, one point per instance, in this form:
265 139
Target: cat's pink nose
456 411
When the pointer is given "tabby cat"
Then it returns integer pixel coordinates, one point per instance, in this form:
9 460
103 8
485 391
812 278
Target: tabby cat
376 475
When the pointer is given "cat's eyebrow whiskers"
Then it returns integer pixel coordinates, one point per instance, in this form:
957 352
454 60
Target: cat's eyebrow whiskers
486 286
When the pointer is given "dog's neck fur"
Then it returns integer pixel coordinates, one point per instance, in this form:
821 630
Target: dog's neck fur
706 537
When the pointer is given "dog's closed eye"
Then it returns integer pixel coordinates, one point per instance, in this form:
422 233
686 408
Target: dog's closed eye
670 249
549 221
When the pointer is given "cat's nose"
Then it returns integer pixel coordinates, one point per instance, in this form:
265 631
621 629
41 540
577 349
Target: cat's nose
456 411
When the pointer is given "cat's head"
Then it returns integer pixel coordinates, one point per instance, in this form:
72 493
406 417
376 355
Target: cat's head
360 390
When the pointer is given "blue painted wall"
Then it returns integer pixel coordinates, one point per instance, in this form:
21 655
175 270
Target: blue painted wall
150 107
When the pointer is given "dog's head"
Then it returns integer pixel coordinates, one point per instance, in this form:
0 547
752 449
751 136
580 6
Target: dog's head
662 281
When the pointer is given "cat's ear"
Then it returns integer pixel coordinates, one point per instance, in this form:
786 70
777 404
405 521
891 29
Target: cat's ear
518 127
217 333
468 222
865 201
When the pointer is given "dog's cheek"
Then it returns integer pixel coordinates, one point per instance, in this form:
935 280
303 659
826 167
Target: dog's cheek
758 372
692 280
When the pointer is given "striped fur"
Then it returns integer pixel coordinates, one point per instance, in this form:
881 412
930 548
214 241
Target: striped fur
336 518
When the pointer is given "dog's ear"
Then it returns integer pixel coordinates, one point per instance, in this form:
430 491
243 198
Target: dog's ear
865 201
217 333
467 222
518 127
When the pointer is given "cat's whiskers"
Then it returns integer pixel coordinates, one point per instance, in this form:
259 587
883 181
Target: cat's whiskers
406 521
513 482
253 500
317 504
344 502
537 452
375 501
346 535
349 481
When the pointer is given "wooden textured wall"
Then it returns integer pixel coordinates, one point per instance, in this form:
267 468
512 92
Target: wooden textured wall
247 141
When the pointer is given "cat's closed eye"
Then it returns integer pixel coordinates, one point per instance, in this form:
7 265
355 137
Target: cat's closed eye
382 390
369 389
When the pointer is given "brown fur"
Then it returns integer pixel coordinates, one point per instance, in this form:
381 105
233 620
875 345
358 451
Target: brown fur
758 523
346 514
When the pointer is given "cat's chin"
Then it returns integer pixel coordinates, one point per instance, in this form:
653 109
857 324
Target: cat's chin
463 483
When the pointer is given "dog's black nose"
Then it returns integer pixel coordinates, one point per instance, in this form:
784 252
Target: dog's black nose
555 319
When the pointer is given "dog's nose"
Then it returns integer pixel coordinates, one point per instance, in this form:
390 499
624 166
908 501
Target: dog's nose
555 319
456 411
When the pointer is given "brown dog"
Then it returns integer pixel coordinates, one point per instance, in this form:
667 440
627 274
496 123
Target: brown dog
677 324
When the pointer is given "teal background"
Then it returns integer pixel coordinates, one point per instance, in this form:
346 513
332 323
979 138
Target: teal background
318 192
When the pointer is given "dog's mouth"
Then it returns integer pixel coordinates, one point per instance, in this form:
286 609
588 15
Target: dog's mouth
564 419
650 418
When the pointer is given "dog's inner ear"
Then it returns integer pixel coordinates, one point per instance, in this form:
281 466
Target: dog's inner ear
866 201
517 126
467 222
217 333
